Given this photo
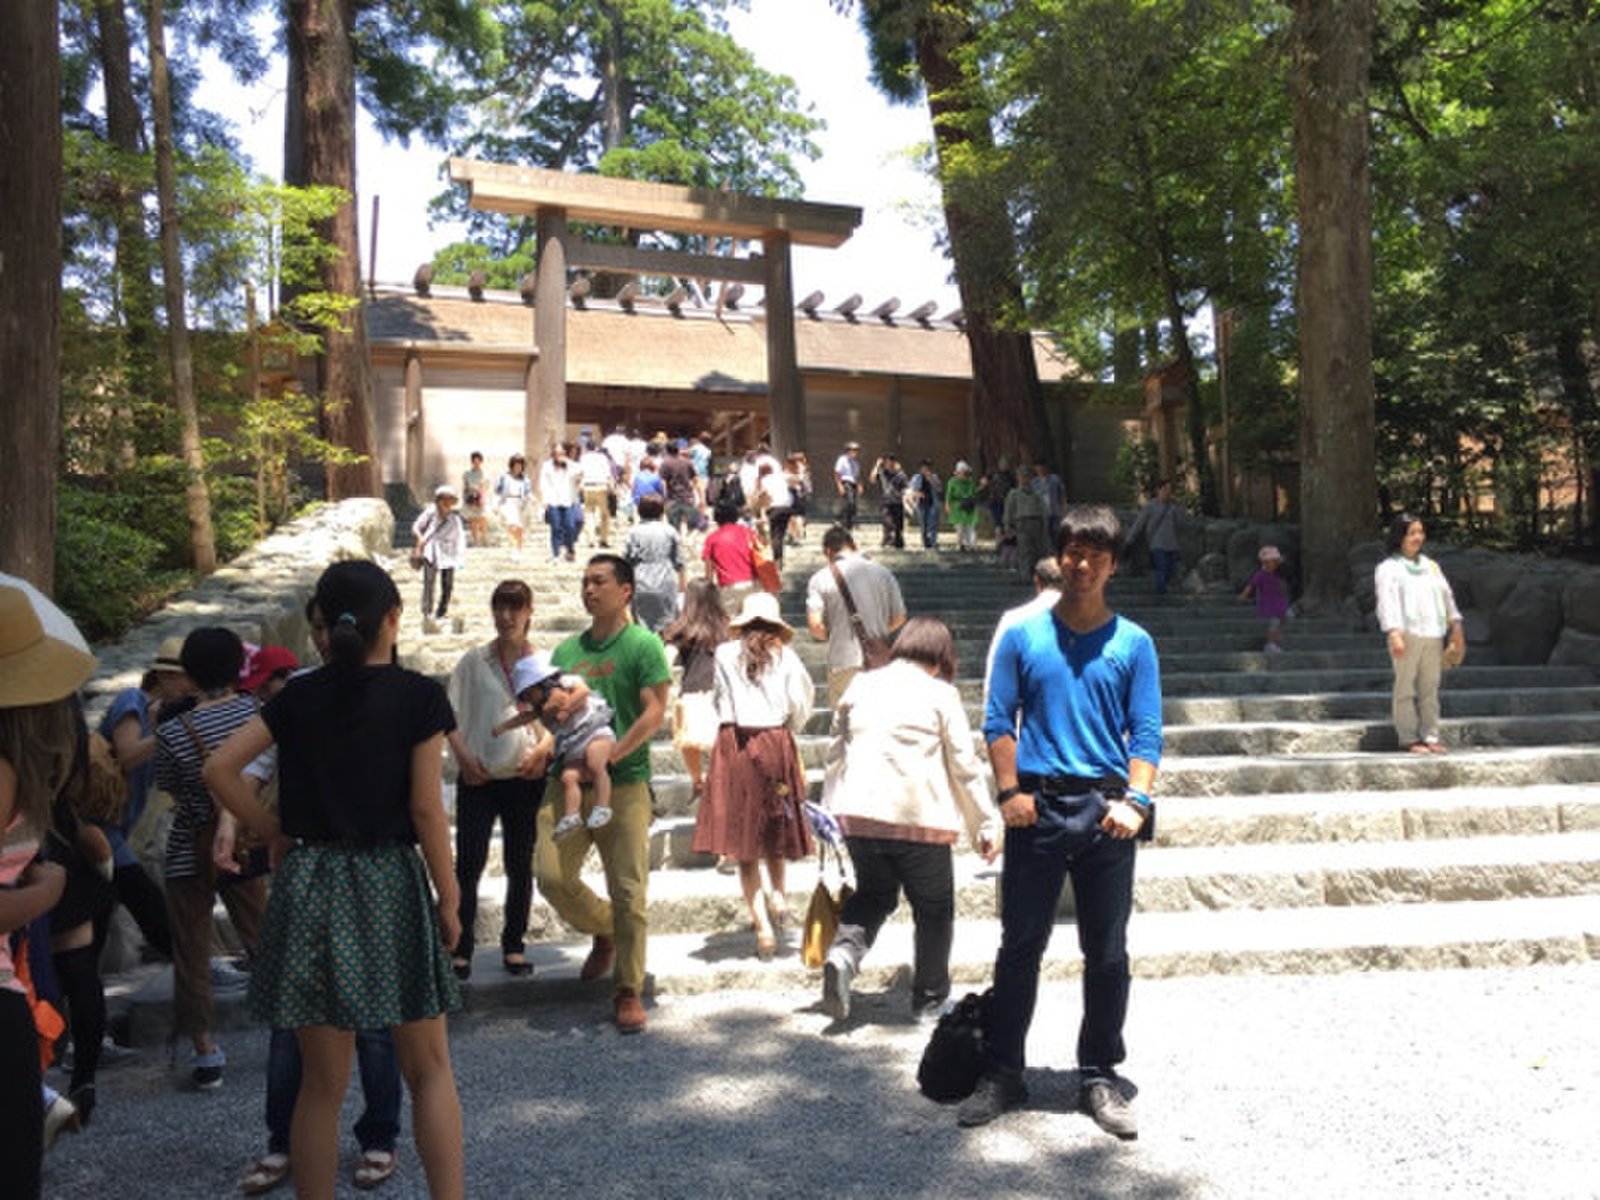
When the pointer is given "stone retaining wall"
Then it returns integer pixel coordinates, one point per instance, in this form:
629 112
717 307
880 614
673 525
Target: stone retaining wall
1518 610
260 595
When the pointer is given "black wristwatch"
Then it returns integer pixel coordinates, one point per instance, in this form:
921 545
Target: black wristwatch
1005 794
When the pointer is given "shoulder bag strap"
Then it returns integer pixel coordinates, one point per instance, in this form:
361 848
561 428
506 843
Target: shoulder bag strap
857 625
194 736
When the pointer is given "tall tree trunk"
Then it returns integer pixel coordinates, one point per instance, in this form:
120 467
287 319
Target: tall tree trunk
202 540
135 285
1332 45
1007 400
1178 320
30 290
322 111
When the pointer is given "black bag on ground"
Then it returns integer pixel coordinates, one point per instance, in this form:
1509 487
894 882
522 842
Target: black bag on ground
953 1059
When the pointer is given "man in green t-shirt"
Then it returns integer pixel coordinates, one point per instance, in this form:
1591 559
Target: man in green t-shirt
625 665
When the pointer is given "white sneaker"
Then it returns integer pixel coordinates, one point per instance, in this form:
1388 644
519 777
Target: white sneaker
837 975
599 817
60 1116
567 826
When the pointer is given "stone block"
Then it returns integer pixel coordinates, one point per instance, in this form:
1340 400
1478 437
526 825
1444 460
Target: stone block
1580 602
1486 585
1527 623
1575 648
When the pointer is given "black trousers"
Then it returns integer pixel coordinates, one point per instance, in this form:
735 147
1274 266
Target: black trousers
21 1100
847 505
143 899
884 866
894 525
515 804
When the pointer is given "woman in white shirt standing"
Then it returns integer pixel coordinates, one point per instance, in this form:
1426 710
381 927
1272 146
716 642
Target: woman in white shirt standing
905 780
1416 611
750 811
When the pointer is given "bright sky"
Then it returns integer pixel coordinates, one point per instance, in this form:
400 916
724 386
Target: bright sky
865 162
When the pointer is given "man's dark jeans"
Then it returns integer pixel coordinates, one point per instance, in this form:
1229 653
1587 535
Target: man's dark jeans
379 1125
1038 859
847 505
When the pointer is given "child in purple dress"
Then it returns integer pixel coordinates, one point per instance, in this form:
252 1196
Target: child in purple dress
1272 596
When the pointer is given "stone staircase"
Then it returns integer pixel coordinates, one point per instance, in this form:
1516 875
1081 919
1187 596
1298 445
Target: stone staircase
1293 835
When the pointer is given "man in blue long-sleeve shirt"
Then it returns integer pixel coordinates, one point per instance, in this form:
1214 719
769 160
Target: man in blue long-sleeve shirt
1073 724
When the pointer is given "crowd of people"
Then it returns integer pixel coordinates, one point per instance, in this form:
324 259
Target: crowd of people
310 801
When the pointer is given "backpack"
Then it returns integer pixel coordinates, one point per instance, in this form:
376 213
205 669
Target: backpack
726 487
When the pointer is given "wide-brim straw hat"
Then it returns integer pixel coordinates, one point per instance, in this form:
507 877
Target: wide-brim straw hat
763 607
43 657
169 657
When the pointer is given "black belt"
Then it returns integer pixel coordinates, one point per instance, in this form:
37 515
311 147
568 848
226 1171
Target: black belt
1071 785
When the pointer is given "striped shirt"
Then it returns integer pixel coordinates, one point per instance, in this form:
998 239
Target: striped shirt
178 763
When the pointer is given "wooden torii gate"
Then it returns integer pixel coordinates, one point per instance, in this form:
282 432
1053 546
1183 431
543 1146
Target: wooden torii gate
556 199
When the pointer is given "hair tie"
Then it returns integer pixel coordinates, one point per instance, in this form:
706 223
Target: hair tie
347 618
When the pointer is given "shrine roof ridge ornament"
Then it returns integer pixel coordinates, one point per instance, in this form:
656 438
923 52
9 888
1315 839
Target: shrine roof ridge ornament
501 187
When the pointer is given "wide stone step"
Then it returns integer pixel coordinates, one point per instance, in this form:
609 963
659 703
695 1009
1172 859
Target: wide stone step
1427 936
1332 737
1290 678
1298 739
1334 706
1507 768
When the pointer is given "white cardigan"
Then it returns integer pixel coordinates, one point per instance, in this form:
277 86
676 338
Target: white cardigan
903 754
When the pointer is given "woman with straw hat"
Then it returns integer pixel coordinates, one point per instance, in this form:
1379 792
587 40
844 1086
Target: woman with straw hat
750 811
43 662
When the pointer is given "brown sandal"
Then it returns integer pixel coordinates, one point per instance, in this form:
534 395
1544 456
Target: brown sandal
268 1173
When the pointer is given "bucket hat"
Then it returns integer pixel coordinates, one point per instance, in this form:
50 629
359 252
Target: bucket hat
763 607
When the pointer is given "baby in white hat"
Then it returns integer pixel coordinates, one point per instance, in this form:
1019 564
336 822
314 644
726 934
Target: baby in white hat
580 731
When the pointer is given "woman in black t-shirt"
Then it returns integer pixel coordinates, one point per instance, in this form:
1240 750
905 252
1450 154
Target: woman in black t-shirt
353 938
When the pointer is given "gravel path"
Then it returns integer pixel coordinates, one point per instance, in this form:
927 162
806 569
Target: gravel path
1455 1083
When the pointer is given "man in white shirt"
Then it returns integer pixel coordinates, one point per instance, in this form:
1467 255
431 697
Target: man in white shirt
877 598
1046 589
847 479
594 469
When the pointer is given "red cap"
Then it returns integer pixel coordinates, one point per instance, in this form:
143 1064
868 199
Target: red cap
264 664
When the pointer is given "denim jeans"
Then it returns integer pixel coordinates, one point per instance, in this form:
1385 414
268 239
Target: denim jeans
1038 858
847 505
563 522
379 1125
1166 563
883 866
928 514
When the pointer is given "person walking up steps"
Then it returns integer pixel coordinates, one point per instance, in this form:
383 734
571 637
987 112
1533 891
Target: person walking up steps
1073 725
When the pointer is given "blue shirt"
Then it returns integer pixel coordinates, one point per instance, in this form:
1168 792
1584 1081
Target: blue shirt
130 703
646 482
1086 702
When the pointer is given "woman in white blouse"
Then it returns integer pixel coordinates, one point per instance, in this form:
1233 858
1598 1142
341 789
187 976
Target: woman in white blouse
750 811
1416 611
905 781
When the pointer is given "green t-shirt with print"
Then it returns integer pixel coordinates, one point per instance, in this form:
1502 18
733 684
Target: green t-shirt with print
617 670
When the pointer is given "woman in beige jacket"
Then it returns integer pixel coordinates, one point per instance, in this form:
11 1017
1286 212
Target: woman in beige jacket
905 781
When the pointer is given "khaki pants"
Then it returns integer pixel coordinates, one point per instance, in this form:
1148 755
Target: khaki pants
1416 690
624 845
597 508
189 904
838 680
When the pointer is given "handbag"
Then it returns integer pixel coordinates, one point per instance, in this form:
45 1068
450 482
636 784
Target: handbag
875 651
952 1061
768 577
822 914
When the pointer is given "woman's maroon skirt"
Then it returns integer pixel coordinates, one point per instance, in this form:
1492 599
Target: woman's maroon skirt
751 805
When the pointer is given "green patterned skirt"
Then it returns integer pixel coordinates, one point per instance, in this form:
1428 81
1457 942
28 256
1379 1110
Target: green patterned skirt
351 940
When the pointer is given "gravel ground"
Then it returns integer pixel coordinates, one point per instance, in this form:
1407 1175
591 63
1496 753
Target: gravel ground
1467 1083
